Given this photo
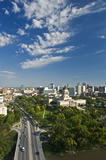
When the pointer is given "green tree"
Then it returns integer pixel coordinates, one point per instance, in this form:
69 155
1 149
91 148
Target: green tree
32 111
37 108
60 116
42 107
10 118
70 143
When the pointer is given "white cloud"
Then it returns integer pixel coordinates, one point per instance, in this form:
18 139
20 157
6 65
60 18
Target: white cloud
76 12
46 13
66 49
54 38
15 8
6 11
36 49
47 46
1 0
40 8
6 39
56 16
91 8
59 19
102 37
7 74
21 32
36 23
43 61
99 52
27 26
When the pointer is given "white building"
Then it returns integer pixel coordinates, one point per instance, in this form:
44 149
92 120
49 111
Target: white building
65 95
83 89
3 109
17 94
48 91
28 90
1 99
79 102
72 102
79 89
64 103
68 101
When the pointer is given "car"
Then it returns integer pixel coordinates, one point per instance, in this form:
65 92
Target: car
20 146
22 149
37 153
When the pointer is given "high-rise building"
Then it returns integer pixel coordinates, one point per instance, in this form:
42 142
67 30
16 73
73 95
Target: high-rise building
40 89
79 89
84 84
102 89
68 85
22 87
95 88
51 86
83 89
71 91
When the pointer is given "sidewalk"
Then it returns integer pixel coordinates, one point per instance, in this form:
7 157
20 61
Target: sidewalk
17 129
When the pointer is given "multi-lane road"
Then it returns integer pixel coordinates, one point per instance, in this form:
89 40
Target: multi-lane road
29 139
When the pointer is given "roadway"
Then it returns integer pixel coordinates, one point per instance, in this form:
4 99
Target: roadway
30 140
27 140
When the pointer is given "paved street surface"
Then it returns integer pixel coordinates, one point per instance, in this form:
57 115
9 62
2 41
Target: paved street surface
27 140
28 137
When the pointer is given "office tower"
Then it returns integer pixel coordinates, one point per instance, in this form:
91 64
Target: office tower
51 86
83 89
71 91
102 89
79 89
84 84
96 88
68 85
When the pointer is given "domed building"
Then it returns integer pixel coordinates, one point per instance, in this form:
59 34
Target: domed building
67 101
65 94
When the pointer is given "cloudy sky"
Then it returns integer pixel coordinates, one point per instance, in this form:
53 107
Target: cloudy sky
60 41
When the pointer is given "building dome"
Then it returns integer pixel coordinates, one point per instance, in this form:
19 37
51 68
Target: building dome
65 94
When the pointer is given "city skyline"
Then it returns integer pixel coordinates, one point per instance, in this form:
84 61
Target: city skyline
52 41
56 86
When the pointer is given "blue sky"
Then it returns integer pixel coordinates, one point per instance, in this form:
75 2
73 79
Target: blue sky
60 41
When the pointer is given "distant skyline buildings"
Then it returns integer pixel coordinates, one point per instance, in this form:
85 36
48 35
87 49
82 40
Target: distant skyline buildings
78 85
51 89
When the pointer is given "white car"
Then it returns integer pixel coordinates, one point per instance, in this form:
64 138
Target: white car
23 149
